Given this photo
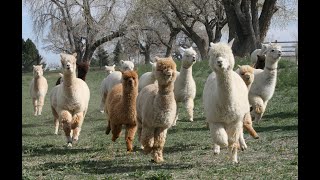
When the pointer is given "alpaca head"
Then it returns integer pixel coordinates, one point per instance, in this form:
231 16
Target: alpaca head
126 65
264 48
188 57
109 69
37 70
130 79
221 57
165 70
154 66
246 73
68 62
274 53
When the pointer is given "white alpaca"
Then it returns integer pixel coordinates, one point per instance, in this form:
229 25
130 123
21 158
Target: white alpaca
69 100
109 70
38 89
264 83
113 79
148 77
225 100
185 86
259 52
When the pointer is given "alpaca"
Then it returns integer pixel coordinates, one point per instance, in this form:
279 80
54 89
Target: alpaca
109 70
148 77
60 79
69 100
260 52
225 100
185 86
264 84
121 108
246 72
38 89
83 69
260 62
113 79
156 108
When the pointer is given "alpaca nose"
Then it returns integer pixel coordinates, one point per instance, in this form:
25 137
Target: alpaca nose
219 62
194 59
247 76
279 53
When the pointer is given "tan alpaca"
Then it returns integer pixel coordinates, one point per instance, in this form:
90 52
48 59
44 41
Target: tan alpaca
69 100
38 89
156 108
121 108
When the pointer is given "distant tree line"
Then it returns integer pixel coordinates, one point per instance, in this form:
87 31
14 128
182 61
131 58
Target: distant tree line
30 56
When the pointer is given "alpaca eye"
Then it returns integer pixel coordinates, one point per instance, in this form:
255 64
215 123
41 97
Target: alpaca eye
272 50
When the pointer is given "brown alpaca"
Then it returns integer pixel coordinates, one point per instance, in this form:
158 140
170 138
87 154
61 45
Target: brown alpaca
246 72
83 69
156 107
121 108
260 62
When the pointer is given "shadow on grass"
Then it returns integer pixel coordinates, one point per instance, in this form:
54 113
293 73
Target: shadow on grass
176 129
52 150
281 115
112 166
180 147
274 128
38 135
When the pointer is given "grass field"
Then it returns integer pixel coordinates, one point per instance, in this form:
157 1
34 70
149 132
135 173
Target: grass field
188 149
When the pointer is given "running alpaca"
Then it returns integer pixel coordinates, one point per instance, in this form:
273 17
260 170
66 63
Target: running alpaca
38 89
264 84
69 100
109 70
121 108
185 86
260 52
156 108
225 99
260 62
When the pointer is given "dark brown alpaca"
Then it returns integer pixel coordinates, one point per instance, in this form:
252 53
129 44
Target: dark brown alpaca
83 69
260 62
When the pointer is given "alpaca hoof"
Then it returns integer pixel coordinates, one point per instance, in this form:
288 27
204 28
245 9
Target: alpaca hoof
56 133
108 131
191 119
101 111
216 151
243 147
69 145
235 162
256 137
141 147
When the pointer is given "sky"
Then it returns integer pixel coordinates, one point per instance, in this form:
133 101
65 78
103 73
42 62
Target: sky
289 33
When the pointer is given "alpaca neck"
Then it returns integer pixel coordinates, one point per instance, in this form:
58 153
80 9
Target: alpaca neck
166 89
224 85
270 68
129 99
36 83
68 80
185 73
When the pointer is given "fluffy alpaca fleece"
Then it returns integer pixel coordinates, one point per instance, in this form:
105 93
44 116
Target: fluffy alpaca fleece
148 77
260 62
60 79
260 52
113 79
264 84
69 100
246 72
225 100
121 108
38 89
185 86
156 108
109 70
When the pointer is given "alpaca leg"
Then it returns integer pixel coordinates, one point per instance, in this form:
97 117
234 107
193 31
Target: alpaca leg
219 136
147 139
35 108
56 120
234 131
189 104
40 104
65 119
139 131
247 125
159 141
77 121
103 100
130 132
108 129
243 145
256 103
259 110
116 131
177 115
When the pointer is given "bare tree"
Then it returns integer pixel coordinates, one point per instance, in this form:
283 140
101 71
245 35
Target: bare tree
79 26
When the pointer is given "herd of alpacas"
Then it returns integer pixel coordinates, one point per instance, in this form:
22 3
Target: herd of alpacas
232 99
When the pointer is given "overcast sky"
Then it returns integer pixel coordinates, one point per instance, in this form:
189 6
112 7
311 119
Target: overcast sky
289 33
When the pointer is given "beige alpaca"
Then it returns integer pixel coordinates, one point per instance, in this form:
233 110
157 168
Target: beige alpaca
156 108
38 89
69 100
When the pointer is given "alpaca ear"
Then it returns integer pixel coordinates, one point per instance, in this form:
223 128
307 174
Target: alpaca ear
151 63
114 65
121 61
74 54
239 66
231 43
211 44
156 58
60 74
41 65
34 66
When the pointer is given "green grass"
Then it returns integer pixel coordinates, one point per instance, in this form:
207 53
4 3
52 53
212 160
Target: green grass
188 149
